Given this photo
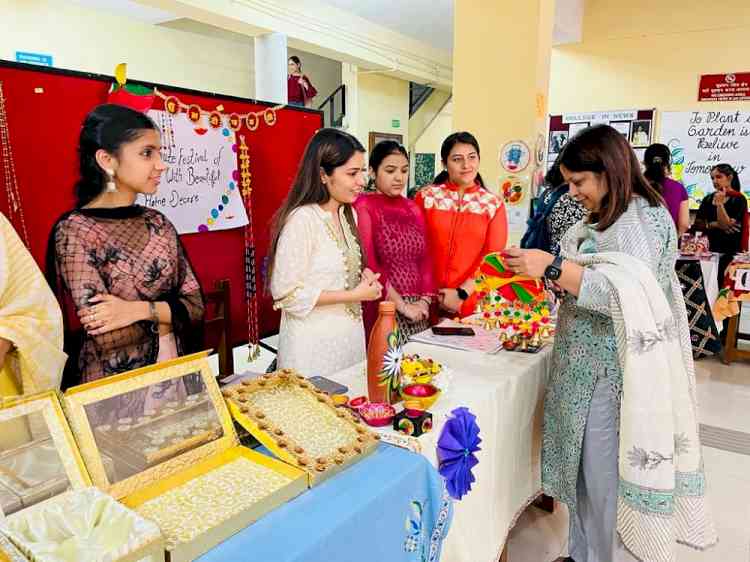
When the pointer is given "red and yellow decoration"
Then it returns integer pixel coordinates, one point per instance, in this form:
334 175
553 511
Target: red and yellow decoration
516 305
195 113
512 189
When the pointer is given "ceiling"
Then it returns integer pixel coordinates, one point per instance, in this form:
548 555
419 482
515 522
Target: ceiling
430 21
128 8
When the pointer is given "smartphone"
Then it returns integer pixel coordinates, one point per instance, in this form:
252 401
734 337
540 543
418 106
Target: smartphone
329 386
452 331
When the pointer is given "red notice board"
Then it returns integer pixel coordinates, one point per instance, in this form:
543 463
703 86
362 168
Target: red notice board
724 87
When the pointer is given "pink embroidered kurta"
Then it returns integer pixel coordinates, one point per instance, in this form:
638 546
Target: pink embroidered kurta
394 240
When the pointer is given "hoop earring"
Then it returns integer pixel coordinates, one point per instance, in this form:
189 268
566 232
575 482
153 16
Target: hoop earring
111 187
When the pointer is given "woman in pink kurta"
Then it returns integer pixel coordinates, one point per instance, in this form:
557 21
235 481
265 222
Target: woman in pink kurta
394 240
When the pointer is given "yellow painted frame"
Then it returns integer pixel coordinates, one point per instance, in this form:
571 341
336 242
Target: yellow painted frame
48 405
78 397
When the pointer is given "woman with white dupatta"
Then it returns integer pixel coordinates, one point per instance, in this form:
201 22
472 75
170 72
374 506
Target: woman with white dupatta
620 443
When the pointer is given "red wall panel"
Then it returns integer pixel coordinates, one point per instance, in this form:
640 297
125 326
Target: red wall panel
45 111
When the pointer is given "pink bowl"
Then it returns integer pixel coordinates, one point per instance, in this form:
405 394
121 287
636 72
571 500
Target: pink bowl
377 414
358 402
419 390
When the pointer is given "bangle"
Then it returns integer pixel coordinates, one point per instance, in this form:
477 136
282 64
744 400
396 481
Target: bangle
154 315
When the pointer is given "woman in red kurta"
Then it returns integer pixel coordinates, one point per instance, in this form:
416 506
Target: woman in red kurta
465 222
392 231
300 90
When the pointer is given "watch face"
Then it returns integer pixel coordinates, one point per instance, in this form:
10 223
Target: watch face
552 273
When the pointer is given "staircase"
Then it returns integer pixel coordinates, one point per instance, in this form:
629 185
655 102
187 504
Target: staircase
334 108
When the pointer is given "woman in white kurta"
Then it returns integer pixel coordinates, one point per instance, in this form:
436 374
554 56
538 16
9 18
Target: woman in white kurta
317 278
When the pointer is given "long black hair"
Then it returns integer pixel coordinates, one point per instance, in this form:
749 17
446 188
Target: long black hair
107 127
657 160
462 137
327 150
728 170
382 150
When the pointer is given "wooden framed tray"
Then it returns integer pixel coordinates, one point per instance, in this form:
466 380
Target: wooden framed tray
300 424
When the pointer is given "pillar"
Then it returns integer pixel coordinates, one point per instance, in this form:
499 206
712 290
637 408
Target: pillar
271 67
501 61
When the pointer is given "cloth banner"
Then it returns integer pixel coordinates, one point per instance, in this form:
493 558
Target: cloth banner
200 191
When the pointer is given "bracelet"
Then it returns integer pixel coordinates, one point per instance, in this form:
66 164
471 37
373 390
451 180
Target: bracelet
154 315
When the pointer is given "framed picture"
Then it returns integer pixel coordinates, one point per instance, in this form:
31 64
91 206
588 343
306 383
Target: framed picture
375 138
557 140
622 127
576 128
640 133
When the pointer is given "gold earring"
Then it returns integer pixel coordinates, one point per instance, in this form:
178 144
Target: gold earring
111 187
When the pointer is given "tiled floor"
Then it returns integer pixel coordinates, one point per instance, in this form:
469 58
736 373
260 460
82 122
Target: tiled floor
724 396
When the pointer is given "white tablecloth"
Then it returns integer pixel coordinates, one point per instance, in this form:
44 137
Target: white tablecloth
506 392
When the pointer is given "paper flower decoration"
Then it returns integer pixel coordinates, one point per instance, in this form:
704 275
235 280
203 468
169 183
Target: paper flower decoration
458 442
390 376
494 275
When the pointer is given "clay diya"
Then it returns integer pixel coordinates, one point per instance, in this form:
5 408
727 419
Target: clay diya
377 414
357 403
425 394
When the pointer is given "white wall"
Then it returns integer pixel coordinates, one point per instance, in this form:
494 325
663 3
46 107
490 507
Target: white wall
433 137
381 100
96 41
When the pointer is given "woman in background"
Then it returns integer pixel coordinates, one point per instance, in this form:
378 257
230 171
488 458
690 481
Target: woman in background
299 89
394 238
317 277
722 215
658 163
465 222
122 266
556 212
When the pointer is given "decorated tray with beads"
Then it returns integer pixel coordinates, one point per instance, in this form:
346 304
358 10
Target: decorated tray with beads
300 423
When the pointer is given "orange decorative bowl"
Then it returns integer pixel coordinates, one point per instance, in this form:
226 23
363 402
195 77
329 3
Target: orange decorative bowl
425 394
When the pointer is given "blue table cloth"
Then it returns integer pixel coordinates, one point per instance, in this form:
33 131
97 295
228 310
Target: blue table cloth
391 506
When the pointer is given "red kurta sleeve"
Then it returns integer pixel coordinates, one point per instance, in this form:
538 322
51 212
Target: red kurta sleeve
365 222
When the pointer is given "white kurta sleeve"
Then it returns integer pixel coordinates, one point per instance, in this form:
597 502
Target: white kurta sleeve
290 287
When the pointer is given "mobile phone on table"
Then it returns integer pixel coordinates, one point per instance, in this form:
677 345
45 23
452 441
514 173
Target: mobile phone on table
453 331
329 386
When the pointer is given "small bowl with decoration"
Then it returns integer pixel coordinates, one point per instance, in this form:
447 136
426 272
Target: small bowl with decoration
377 414
425 394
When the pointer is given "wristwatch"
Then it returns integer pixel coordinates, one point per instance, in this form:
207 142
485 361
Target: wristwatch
554 270
462 294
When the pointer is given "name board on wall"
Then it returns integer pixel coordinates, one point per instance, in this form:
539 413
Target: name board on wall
701 139
200 191
636 125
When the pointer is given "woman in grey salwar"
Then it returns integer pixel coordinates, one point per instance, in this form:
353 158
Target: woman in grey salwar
581 463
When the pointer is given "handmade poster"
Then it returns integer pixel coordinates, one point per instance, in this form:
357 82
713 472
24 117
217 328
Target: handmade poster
701 139
576 128
515 156
512 189
200 191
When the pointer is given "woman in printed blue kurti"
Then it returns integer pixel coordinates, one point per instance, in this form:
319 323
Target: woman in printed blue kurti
583 433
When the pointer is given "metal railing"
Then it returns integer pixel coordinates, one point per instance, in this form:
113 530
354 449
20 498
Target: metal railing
334 108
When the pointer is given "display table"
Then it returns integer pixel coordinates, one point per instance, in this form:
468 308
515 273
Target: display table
505 391
700 287
360 514
728 305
